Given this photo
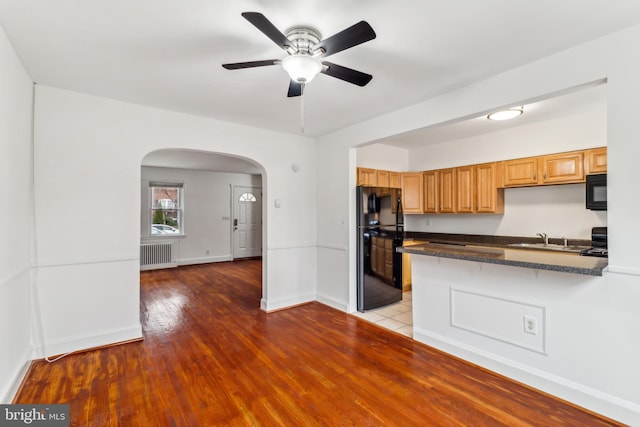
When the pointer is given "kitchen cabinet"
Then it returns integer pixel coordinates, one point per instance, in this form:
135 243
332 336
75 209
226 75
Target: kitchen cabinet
382 257
595 160
382 178
562 168
412 192
465 189
367 177
447 190
489 196
520 172
394 179
430 197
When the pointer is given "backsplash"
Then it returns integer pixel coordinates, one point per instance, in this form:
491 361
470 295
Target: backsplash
556 210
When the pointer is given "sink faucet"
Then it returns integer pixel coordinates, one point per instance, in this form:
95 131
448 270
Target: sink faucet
544 237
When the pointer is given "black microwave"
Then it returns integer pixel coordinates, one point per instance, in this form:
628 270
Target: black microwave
597 192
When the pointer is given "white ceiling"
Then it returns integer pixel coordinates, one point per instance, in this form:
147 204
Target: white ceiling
168 54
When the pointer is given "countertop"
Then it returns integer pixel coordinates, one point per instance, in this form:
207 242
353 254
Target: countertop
537 259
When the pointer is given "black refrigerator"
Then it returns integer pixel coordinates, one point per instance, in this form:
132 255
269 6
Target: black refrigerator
380 231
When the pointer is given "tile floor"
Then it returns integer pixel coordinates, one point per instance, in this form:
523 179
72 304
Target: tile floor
398 317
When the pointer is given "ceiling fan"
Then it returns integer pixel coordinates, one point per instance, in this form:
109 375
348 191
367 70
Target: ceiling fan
305 47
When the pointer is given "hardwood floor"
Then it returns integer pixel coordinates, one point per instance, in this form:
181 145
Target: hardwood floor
211 357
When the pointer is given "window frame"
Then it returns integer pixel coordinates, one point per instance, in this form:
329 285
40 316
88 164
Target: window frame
178 208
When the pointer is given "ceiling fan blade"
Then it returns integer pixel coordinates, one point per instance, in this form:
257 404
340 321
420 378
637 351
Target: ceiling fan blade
263 24
352 36
251 64
295 89
347 74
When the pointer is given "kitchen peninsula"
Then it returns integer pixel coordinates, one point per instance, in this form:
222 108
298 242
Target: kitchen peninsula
510 310
536 258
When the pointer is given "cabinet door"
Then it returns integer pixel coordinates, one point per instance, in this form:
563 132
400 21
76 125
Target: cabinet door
465 189
431 202
563 168
367 177
521 172
412 192
447 190
489 198
374 254
382 178
394 179
388 259
596 160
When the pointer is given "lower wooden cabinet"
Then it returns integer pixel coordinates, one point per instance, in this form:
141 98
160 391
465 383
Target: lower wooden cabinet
382 257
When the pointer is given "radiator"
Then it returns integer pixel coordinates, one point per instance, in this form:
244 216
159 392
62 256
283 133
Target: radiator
157 255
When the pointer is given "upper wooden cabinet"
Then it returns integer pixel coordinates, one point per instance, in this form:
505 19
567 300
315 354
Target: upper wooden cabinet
489 197
447 190
412 192
595 160
465 189
377 178
562 168
394 179
367 177
431 199
520 172
382 178
477 189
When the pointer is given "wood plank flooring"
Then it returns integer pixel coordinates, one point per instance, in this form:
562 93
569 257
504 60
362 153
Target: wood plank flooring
211 357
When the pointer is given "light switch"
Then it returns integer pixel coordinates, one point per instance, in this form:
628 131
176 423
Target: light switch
276 203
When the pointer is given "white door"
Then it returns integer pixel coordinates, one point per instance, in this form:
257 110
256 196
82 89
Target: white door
247 222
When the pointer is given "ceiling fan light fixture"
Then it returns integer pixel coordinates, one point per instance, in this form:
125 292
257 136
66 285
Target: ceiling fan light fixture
507 114
302 68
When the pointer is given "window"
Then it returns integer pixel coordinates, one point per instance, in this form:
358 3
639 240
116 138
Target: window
247 197
165 208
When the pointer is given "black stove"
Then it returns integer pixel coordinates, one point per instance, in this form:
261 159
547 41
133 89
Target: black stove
598 243
601 252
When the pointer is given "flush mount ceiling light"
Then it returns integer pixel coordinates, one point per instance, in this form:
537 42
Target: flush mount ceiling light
507 114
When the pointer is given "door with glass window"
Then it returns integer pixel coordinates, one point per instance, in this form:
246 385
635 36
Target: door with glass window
247 222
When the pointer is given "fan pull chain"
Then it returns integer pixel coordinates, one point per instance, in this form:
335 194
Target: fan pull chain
302 111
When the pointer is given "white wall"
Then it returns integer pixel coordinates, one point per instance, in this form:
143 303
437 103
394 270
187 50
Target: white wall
616 59
207 210
89 149
380 156
16 216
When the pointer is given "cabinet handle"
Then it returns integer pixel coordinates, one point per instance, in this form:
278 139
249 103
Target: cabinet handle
535 176
544 175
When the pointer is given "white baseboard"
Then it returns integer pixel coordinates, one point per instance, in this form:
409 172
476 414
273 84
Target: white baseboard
586 397
332 302
279 304
204 260
9 393
84 343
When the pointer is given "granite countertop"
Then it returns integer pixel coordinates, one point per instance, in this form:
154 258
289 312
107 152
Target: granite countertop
537 259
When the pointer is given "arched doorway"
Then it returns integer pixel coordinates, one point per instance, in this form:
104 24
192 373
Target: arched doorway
188 208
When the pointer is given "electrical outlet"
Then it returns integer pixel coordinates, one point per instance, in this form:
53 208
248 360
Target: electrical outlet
530 325
207 252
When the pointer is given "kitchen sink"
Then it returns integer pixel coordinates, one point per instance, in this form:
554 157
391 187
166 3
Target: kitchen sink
549 247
